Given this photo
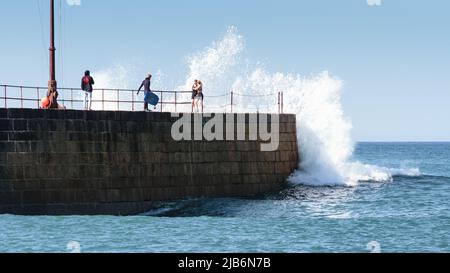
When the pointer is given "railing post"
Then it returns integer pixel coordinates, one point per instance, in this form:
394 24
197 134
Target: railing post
103 99
38 97
279 103
175 101
132 100
161 101
118 100
71 98
63 101
6 103
282 102
21 97
232 98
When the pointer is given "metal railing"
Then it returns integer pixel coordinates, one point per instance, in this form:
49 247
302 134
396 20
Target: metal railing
18 96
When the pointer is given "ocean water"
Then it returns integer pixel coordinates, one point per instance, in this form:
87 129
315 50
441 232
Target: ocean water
375 197
407 213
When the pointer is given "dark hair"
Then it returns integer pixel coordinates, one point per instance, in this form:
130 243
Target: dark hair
87 73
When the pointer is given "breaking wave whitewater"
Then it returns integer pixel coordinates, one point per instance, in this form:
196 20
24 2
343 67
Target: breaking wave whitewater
324 132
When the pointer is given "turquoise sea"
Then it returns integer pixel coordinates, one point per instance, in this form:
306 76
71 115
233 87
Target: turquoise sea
408 214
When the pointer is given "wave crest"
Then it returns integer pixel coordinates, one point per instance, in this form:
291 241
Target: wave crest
324 132
350 174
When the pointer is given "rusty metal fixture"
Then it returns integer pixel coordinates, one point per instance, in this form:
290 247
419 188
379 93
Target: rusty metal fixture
52 84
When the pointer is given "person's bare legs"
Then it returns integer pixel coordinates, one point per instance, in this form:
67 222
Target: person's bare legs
197 100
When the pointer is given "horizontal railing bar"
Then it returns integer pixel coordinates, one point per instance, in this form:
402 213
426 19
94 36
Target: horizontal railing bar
96 89
19 99
106 101
25 97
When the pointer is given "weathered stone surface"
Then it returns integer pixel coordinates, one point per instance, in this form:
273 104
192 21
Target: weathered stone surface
121 163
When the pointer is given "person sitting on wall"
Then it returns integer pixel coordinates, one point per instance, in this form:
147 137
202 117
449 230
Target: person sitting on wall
50 102
45 103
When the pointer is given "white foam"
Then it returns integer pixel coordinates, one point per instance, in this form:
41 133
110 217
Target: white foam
216 66
324 132
116 77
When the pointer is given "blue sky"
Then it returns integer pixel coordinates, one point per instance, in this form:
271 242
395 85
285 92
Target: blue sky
393 58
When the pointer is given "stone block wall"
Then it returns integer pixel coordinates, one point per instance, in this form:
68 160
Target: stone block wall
122 163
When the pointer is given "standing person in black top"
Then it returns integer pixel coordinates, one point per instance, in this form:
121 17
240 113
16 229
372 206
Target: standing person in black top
87 83
194 93
199 97
146 84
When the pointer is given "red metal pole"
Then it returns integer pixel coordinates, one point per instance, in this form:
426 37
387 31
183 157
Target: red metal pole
52 85
52 41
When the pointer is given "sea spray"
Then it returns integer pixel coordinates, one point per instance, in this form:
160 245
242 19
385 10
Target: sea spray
116 77
216 65
324 132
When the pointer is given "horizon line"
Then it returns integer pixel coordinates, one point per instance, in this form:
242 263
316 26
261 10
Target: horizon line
402 141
